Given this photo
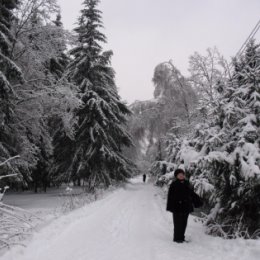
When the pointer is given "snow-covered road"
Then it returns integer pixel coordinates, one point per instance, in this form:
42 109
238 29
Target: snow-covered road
128 224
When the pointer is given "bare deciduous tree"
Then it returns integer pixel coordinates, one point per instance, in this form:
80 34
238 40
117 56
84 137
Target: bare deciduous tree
207 71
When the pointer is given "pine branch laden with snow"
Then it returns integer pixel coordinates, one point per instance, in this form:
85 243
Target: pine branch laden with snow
6 161
227 168
222 157
10 74
95 154
164 172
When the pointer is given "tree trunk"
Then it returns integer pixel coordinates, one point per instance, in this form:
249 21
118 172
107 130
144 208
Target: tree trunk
35 187
45 187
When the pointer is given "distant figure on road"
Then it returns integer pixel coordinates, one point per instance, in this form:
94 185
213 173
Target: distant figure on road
181 199
144 177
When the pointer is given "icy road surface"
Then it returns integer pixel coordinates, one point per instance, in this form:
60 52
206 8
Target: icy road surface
128 224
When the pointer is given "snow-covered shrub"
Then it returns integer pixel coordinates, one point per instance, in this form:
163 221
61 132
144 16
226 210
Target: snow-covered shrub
222 157
227 169
16 224
163 171
73 198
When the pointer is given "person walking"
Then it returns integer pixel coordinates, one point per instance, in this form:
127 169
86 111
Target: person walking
144 177
181 198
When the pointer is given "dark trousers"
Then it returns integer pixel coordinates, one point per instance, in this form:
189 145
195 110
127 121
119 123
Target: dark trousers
180 220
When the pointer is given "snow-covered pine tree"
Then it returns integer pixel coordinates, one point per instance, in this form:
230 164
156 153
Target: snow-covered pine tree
10 74
96 154
227 166
59 63
245 174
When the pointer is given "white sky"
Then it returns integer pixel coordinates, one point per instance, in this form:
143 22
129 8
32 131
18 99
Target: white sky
143 33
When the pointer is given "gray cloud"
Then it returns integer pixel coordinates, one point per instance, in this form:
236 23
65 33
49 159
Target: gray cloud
143 33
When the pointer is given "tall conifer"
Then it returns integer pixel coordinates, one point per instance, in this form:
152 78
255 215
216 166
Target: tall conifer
10 74
100 135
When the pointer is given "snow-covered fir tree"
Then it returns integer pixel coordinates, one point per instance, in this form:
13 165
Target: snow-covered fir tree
224 155
10 74
59 63
96 153
221 155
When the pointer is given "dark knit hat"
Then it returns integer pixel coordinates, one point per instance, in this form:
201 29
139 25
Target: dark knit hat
177 171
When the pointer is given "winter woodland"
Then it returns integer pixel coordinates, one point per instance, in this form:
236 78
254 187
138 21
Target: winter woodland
63 123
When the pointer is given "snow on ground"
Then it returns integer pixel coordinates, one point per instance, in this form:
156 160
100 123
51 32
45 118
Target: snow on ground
39 203
53 198
52 203
128 224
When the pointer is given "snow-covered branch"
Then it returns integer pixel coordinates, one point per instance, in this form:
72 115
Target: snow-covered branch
9 159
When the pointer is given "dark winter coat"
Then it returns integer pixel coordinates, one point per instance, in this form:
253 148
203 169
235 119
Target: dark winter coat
181 197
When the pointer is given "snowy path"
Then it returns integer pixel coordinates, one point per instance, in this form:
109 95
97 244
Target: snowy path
128 224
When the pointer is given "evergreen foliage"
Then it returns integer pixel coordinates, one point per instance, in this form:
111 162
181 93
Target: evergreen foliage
10 75
96 153
222 157
234 153
59 62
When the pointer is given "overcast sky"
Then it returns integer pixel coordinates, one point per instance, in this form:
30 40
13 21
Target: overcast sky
143 33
